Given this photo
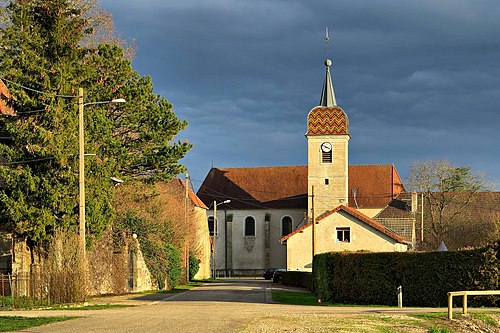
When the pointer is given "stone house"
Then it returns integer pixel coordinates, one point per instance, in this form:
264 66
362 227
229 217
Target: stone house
341 229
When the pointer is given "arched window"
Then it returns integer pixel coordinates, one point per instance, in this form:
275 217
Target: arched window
249 226
211 225
286 225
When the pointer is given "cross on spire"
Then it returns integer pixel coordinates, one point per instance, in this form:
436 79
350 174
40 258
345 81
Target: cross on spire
327 39
327 95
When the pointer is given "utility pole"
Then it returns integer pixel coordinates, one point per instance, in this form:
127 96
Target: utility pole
215 241
81 174
225 243
81 166
422 221
313 219
187 229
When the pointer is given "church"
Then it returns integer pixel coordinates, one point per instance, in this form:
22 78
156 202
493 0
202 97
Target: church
281 216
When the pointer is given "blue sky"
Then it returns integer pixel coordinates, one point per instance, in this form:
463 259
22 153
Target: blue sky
418 79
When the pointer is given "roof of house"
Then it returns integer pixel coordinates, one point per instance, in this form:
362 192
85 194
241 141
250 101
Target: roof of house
192 196
355 213
4 94
398 208
286 186
480 203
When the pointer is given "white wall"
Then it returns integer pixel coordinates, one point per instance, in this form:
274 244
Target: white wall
363 238
250 252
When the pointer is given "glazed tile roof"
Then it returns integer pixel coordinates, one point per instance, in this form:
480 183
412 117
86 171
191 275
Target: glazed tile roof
286 186
355 213
327 121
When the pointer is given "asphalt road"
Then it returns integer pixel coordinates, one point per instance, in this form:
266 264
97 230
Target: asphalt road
226 306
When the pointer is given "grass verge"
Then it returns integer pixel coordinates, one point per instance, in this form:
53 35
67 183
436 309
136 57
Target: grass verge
306 298
432 322
18 323
295 298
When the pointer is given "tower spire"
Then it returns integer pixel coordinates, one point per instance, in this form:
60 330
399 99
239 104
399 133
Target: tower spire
328 95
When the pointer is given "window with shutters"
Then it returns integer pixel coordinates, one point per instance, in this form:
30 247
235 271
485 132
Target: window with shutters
326 157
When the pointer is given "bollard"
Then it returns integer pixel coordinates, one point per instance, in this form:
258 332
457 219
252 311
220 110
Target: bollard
399 292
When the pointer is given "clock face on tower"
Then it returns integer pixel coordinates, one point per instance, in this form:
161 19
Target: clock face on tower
326 147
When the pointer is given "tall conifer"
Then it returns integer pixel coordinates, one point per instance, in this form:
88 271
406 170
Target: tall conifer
41 51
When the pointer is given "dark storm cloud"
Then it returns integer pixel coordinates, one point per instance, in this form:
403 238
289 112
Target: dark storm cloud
418 79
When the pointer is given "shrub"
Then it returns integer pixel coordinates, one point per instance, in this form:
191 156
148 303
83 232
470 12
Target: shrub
174 270
162 258
298 279
426 278
194 266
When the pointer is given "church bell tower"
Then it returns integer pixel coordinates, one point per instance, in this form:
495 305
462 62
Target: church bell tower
327 151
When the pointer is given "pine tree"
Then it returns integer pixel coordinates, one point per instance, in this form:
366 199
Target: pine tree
42 52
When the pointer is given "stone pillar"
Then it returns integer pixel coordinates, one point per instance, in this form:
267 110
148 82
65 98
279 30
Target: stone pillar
229 240
267 242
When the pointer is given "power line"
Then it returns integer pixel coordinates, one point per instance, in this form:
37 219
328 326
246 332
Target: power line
34 111
28 161
35 90
25 112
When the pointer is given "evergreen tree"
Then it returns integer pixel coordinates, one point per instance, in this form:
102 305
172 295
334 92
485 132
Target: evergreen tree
43 54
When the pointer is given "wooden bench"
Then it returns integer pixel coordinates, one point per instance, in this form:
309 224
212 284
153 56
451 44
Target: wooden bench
465 294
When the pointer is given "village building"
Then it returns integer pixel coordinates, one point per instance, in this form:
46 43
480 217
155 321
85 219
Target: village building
268 222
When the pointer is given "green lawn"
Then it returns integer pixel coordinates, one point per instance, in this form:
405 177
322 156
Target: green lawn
296 298
19 323
306 298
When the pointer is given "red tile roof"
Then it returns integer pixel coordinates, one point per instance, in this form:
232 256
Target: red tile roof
4 94
254 188
481 203
375 185
284 187
353 212
192 196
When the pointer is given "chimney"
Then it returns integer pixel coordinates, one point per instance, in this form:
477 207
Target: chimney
414 202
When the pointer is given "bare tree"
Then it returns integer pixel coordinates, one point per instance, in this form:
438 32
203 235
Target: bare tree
448 191
101 20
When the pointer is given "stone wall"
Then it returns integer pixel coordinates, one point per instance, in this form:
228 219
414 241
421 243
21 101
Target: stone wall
111 270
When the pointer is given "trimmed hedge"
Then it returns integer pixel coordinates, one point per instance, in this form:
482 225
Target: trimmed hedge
426 278
298 279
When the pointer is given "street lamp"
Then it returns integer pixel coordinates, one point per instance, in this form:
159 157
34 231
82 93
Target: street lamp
81 208
215 235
